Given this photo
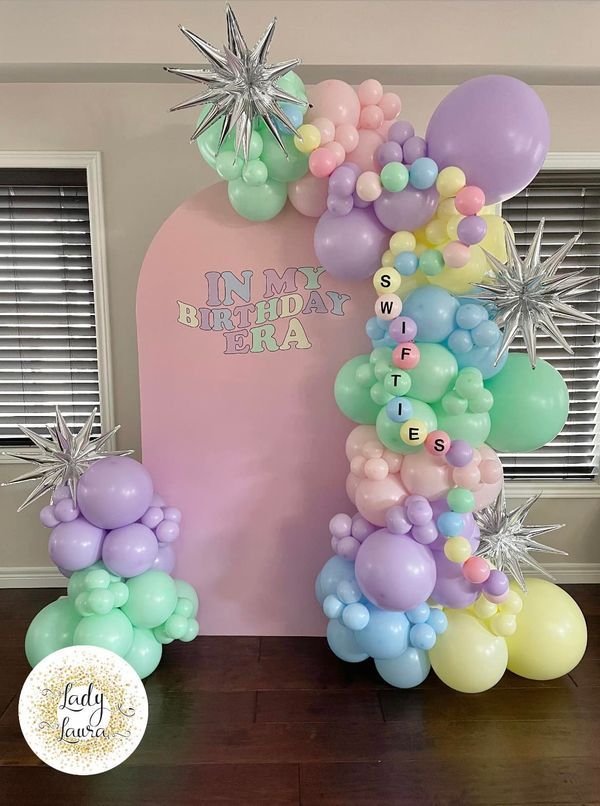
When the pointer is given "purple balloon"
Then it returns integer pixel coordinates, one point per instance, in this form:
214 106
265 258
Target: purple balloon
471 229
451 588
165 559
389 152
342 181
459 453
129 550
48 518
410 209
393 571
496 584
74 545
339 205
350 247
496 129
400 131
167 531
414 148
114 492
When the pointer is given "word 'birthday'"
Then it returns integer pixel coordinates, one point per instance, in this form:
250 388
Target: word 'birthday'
269 323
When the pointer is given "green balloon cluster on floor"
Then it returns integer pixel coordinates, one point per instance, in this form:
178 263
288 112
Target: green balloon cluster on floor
132 618
257 189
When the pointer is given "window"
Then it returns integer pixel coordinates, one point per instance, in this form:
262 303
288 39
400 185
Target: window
569 200
50 305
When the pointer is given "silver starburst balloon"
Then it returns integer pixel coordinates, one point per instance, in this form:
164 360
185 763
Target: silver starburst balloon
507 542
528 296
241 85
63 458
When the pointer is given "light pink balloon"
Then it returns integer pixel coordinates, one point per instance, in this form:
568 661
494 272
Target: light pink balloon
467 476
491 466
486 494
309 195
374 498
352 483
358 437
424 474
335 100
364 153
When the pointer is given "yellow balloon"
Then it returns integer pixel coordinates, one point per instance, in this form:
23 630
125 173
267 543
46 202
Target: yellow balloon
446 209
402 241
387 259
435 231
450 180
386 280
551 633
452 226
413 432
457 549
308 138
468 657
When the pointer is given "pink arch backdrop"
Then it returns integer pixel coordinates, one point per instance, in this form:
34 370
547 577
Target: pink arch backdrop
239 422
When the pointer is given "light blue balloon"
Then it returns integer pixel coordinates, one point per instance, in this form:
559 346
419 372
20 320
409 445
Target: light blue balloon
459 342
486 334
386 634
355 616
333 572
434 310
438 620
482 358
375 328
342 643
406 263
423 173
422 636
470 314
418 614
450 524
332 606
406 671
294 113
399 409
348 591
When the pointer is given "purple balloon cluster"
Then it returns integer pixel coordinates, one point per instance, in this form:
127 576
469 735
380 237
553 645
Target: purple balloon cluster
118 518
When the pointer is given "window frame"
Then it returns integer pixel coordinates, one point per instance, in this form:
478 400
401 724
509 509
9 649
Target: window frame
91 162
561 161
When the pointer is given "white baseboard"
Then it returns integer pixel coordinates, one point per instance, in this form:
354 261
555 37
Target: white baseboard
32 577
50 577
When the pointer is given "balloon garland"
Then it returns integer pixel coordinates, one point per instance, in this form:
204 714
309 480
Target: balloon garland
112 537
420 573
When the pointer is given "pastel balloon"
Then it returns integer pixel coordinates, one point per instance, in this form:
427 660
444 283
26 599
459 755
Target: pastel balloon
388 431
432 376
407 670
364 154
350 246
434 311
257 202
373 498
152 599
308 195
467 656
409 210
342 643
503 146
427 475
353 399
114 492
145 652
334 100
451 588
283 166
75 544
551 634
357 438
51 629
111 631
334 571
386 634
531 406
393 571
129 550
470 427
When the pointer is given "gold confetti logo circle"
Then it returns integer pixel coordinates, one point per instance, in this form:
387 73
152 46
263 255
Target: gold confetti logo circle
83 710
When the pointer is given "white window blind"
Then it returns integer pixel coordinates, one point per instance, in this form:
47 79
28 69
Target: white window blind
48 352
570 202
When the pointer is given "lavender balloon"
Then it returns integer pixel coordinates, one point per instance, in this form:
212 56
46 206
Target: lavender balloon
393 571
165 559
114 492
74 545
129 550
350 247
451 588
496 129
410 209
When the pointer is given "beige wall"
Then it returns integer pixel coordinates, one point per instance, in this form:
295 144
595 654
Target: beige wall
149 168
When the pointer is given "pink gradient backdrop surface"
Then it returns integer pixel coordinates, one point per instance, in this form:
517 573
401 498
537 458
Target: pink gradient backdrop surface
249 446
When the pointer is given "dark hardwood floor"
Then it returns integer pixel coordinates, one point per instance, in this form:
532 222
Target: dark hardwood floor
282 721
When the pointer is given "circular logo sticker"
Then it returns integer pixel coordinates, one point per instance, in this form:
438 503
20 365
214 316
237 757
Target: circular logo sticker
83 710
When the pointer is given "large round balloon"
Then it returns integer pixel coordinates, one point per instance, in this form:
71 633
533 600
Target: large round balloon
410 209
114 492
394 571
407 670
51 629
145 652
352 399
257 202
468 657
530 405
551 633
496 129
350 246
74 545
111 631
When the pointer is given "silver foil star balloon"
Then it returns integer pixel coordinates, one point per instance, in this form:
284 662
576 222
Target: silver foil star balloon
507 542
63 458
241 85
529 297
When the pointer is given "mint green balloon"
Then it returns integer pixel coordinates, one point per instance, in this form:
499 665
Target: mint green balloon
145 652
228 166
111 631
259 203
472 427
531 406
152 599
186 591
53 628
292 83
209 140
284 167
389 432
434 374
352 399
